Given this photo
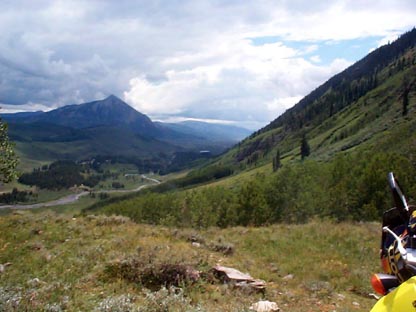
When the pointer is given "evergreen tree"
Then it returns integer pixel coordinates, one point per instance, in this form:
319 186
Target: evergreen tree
406 90
8 159
304 147
276 161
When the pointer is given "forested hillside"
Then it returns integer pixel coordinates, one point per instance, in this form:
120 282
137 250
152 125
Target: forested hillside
352 107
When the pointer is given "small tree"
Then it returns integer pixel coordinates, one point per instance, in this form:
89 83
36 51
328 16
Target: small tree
304 147
8 159
276 161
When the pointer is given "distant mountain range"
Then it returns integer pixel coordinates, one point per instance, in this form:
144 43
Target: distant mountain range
112 129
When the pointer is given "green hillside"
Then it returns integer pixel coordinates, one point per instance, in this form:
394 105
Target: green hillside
355 109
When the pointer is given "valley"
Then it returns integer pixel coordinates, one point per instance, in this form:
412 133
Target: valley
139 213
73 198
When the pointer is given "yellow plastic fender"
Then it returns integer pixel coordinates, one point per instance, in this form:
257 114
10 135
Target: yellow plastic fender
402 299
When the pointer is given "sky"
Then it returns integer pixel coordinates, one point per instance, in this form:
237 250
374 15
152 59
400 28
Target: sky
238 62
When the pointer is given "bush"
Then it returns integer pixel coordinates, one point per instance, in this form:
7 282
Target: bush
152 274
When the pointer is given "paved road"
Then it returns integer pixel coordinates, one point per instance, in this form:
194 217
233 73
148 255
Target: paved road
74 197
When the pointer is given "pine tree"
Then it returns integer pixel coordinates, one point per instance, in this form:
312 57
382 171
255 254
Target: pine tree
304 147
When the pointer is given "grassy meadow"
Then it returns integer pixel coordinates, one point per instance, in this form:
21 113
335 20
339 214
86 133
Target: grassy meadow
57 262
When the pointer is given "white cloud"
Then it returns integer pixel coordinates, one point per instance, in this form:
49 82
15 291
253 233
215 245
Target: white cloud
242 82
315 59
33 107
189 58
276 105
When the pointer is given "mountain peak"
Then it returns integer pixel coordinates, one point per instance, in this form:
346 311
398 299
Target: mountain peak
110 111
111 100
112 97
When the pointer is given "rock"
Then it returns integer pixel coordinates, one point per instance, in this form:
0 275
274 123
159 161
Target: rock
35 282
341 297
288 277
239 279
197 245
4 266
264 306
233 274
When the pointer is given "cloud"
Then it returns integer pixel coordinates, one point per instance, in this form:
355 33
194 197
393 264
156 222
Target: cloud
195 59
243 83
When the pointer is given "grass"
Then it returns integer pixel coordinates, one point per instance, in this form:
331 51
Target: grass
61 262
69 209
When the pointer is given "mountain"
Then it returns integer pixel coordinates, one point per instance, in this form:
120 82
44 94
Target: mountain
107 128
108 112
112 129
210 131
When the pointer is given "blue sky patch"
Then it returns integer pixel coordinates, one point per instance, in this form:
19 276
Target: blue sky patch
325 52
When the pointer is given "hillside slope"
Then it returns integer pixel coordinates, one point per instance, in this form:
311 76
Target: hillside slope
354 109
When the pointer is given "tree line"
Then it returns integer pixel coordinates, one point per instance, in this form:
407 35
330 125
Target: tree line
58 175
16 196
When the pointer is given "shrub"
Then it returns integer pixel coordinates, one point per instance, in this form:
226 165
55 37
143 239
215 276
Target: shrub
153 274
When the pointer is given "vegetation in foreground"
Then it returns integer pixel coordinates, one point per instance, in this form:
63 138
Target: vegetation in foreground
55 262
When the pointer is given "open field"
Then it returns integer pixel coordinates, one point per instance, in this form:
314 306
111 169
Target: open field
56 262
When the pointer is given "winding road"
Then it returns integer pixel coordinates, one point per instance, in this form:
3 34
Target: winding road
74 197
